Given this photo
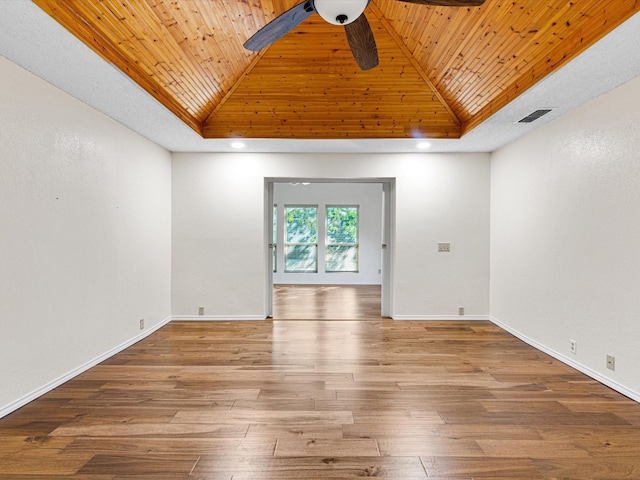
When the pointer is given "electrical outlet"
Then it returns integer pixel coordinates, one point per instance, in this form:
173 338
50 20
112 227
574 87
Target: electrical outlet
611 362
200 310
142 324
444 247
460 310
573 346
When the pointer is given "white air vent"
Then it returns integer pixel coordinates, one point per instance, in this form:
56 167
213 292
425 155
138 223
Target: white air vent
532 117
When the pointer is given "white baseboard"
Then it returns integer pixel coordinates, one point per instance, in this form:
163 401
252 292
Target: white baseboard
7 409
440 317
215 318
569 361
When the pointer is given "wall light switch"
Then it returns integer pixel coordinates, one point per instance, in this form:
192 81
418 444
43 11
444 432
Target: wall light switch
444 247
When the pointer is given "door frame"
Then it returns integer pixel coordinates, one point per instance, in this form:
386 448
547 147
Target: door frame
388 234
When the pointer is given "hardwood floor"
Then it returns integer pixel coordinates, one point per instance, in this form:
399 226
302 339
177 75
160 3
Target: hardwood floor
326 302
320 399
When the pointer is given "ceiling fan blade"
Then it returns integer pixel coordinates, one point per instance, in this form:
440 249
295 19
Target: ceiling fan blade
362 43
280 26
447 3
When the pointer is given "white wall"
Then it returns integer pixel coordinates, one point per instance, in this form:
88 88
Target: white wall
565 236
219 236
367 196
84 237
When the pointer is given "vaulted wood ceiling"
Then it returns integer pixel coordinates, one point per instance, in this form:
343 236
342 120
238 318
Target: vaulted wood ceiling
442 70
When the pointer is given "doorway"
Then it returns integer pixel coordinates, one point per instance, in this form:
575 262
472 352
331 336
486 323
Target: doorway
317 283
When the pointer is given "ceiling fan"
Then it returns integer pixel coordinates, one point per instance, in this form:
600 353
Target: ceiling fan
349 13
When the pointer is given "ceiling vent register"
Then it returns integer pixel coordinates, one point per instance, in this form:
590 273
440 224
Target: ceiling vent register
532 117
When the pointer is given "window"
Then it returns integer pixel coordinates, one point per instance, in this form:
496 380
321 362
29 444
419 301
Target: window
301 240
342 239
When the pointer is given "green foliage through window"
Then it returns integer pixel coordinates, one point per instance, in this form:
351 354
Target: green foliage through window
302 224
301 232
342 239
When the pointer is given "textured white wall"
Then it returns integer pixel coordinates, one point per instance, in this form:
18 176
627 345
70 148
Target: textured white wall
565 235
84 237
368 196
218 228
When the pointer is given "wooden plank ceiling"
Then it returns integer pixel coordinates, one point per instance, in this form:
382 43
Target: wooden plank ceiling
442 70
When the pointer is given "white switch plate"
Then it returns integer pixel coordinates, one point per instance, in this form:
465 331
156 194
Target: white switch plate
444 247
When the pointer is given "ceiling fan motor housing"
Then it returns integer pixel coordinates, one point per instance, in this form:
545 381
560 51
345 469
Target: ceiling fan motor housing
340 12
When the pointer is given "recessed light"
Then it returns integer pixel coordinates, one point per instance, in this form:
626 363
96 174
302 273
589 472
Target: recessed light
423 145
238 145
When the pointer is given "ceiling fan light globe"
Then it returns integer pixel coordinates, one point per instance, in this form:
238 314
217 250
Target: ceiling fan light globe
335 11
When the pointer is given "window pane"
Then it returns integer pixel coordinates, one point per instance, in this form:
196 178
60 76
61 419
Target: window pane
301 249
342 258
342 239
301 258
302 224
342 225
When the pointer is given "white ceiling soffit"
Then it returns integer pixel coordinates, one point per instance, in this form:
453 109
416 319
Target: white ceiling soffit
33 40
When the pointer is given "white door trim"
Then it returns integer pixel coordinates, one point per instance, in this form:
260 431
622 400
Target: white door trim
388 235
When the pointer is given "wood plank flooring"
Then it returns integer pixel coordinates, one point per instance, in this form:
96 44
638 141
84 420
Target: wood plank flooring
321 399
326 302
